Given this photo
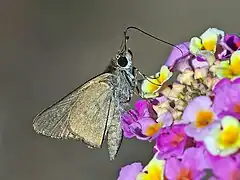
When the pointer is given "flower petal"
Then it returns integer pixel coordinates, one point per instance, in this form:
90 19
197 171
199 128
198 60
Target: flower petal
171 142
176 55
235 62
211 145
195 45
144 108
198 103
232 41
223 70
194 158
126 119
145 128
130 172
154 169
199 64
230 121
166 119
165 74
173 166
224 82
151 86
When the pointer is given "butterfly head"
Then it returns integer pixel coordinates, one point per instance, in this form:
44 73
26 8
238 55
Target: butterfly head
123 60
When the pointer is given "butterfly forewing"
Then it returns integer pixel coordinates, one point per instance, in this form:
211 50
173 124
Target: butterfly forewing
61 119
53 121
89 116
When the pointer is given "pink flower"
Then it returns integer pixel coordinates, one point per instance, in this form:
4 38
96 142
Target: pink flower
126 120
171 142
229 44
179 59
224 168
182 60
201 117
190 166
140 122
145 128
130 172
227 98
143 109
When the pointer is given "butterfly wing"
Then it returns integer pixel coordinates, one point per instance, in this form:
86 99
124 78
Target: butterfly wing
90 114
82 114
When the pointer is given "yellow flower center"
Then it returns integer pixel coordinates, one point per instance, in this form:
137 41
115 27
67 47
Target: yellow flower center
229 136
162 78
235 63
154 173
210 44
153 85
235 68
152 129
203 118
185 174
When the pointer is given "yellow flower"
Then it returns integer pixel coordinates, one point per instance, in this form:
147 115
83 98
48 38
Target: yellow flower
153 129
151 85
204 118
229 69
205 46
207 41
224 141
153 171
195 45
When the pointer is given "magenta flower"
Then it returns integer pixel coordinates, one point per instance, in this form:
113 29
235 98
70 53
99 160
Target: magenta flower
229 44
126 120
221 84
227 98
177 57
232 41
144 108
236 158
166 119
171 142
191 166
218 165
181 61
130 172
140 121
145 128
201 117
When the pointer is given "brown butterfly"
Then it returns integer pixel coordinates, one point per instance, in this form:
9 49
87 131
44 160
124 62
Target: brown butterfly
93 110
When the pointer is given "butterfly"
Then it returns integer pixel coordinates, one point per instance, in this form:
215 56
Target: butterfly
92 112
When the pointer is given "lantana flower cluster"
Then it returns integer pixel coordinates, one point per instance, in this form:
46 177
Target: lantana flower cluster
194 122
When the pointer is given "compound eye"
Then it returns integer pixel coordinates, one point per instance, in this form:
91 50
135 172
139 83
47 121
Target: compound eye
122 61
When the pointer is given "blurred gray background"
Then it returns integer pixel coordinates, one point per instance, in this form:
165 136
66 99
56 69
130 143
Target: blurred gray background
47 48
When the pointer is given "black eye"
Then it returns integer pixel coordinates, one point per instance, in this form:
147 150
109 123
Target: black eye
122 61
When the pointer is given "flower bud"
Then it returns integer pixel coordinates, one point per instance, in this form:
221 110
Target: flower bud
200 73
186 77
